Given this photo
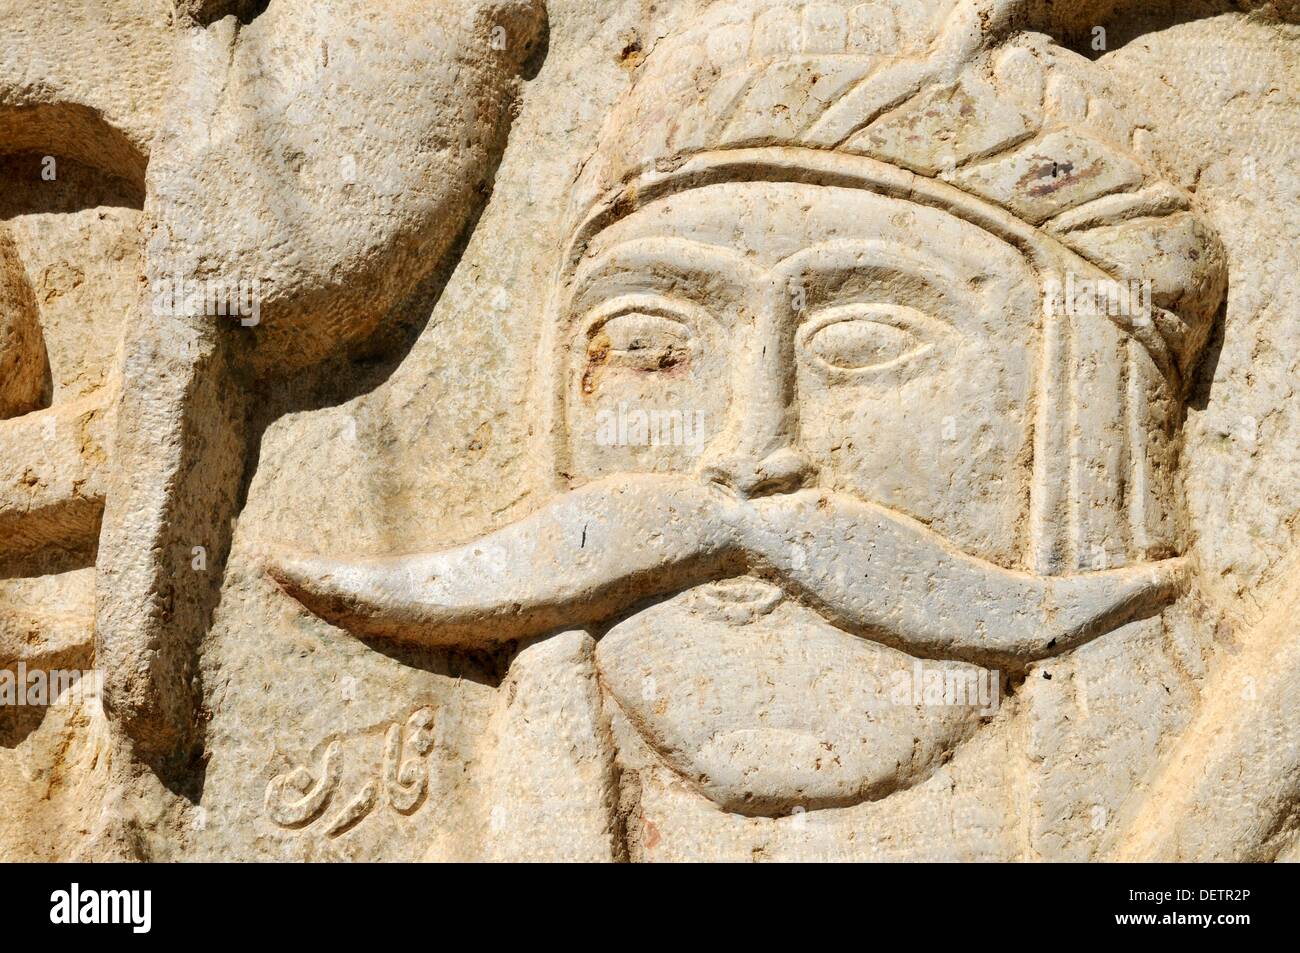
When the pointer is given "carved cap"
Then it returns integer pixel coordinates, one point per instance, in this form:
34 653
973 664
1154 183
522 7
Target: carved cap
940 92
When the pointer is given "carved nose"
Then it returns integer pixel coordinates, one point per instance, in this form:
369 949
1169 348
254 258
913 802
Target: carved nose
784 471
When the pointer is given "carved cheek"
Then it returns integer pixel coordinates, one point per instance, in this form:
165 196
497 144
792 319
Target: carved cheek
945 444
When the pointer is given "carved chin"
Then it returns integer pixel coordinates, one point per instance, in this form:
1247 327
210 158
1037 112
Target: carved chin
764 707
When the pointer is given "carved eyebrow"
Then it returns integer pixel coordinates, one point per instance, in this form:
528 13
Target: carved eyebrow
679 264
847 254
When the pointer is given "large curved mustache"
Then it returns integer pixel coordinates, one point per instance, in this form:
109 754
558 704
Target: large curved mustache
598 551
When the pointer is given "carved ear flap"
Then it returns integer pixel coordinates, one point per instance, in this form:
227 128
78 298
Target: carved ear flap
24 377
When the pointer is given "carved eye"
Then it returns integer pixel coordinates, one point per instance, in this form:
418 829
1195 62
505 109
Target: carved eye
859 338
644 342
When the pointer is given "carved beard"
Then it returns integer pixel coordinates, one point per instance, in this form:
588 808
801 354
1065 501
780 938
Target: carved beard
598 551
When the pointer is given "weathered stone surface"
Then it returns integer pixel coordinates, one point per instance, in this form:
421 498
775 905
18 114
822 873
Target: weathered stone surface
710 430
22 346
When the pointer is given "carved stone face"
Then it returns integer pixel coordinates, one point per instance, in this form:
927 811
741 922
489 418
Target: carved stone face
776 335
767 337
796 421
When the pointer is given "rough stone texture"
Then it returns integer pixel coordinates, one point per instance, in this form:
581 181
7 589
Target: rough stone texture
635 432
22 345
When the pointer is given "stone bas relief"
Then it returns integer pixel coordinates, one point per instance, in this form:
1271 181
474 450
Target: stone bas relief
783 443
295 799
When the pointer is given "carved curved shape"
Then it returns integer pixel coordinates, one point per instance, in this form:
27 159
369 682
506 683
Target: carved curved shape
419 731
355 811
601 549
22 345
75 131
366 208
405 782
289 810
856 563
101 89
779 708
1245 739
579 560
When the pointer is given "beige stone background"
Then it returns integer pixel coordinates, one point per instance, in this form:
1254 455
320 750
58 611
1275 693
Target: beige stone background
424 438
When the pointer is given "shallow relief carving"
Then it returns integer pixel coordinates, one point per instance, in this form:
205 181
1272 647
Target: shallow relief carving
851 523
69 249
183 313
297 799
835 388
